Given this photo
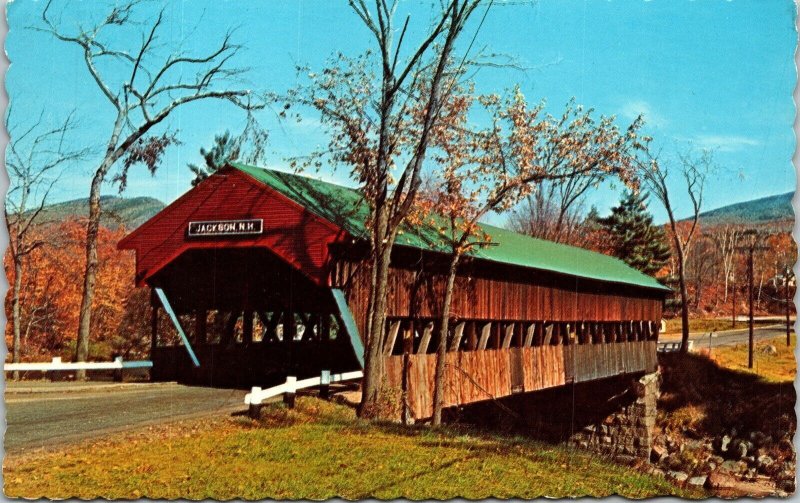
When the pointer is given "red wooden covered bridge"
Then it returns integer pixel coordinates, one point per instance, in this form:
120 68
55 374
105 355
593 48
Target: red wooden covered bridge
265 275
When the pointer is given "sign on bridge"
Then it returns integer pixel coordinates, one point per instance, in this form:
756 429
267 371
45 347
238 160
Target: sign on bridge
217 228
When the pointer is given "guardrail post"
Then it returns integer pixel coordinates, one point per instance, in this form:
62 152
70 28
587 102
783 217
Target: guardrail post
254 411
118 371
325 384
51 374
289 395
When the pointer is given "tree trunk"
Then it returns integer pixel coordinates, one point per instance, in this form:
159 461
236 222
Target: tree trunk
441 353
15 313
725 297
684 303
733 302
373 359
385 231
698 294
90 273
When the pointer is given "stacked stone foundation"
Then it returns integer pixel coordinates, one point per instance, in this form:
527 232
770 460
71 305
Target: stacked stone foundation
627 433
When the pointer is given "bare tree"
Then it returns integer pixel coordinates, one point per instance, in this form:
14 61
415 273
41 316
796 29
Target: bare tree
36 154
693 169
727 237
554 211
144 89
545 215
703 266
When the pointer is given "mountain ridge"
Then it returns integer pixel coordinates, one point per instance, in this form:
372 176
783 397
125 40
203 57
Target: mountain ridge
118 211
131 212
762 210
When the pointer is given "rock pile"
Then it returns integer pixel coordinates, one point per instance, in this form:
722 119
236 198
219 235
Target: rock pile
727 459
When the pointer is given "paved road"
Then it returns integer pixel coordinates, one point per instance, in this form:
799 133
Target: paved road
39 419
730 337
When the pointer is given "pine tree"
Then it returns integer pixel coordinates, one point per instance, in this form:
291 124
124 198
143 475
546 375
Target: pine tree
225 148
633 237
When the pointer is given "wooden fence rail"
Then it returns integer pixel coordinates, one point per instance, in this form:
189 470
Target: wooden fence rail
257 396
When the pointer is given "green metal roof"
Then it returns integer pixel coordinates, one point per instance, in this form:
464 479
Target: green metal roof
346 208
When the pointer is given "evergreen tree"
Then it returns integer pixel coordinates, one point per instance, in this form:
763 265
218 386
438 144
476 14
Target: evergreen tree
633 237
593 216
225 148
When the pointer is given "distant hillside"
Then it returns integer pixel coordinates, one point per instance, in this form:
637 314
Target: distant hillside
117 211
769 209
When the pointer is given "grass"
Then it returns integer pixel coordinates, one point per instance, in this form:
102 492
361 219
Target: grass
709 324
778 368
319 451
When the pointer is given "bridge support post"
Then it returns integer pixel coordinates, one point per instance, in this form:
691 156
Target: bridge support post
153 330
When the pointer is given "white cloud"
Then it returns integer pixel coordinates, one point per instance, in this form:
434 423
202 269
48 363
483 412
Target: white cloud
632 109
724 143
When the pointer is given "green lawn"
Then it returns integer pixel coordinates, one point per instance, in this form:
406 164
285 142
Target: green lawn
318 451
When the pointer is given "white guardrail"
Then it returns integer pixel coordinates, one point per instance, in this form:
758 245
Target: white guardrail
672 347
256 397
57 364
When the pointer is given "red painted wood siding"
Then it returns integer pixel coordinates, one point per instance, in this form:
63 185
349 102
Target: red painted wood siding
296 235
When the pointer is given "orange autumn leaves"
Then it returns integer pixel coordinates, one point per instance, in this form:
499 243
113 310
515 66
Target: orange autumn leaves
51 291
491 169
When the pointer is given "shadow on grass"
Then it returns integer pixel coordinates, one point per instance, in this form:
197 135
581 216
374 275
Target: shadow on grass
723 399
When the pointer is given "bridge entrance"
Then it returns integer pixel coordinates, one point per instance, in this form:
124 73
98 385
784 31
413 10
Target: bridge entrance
247 318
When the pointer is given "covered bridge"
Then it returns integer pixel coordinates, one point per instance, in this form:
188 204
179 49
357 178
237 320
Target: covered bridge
266 274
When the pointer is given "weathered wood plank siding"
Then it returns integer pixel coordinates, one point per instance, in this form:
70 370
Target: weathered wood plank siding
473 376
497 293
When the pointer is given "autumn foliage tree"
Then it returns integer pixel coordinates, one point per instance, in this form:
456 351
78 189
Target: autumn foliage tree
491 170
37 154
380 120
143 86
50 296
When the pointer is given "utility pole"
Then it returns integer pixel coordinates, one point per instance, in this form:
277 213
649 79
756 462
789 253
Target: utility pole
787 284
750 248
733 306
750 300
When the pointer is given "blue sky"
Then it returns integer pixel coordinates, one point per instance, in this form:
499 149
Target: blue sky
713 74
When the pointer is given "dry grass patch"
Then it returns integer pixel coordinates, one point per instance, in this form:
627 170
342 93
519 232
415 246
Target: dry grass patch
709 325
702 398
778 367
